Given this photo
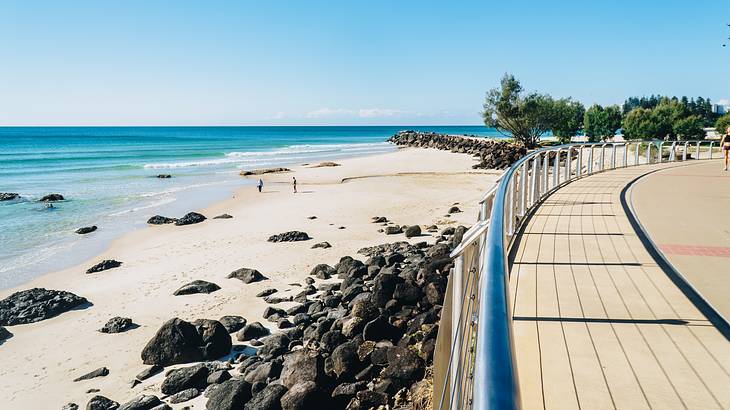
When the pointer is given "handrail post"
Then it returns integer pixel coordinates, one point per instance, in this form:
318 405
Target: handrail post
659 154
626 154
684 151
672 154
636 154
579 167
523 190
545 166
613 156
511 208
568 160
648 153
590 160
456 310
697 150
711 144
603 157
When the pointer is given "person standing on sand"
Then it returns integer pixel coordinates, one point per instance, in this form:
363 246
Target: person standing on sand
260 185
295 184
725 143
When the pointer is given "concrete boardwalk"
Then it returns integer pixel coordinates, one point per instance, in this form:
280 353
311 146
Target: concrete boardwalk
597 323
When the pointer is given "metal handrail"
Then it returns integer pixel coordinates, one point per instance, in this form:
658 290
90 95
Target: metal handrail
486 345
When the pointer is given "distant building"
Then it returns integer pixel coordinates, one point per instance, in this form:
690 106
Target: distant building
720 109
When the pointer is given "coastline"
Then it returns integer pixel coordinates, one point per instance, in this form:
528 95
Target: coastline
409 186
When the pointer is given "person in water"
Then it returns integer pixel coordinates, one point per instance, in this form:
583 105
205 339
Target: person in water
295 184
725 143
260 185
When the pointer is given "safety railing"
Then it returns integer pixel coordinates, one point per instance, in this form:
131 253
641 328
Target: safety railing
474 359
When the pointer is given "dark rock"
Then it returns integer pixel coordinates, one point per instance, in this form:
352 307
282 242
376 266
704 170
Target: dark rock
393 230
86 229
300 366
184 378
266 292
323 271
232 323
454 210
36 304
218 377
253 330
267 399
160 220
365 309
273 300
346 391
323 245
8 196
4 334
178 341
344 361
70 406
403 364
190 218
263 171
274 345
185 395
144 402
379 219
383 289
312 217
149 372
101 403
230 395
100 372
246 275
413 230
301 396
271 311
301 318
223 216
104 265
380 329
263 372
116 324
367 399
164 176
283 323
292 236
197 286
52 198
407 293
448 231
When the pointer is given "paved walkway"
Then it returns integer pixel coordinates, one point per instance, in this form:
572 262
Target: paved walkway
691 229
597 322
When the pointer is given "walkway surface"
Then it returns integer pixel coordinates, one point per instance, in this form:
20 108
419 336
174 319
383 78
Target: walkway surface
597 323
686 211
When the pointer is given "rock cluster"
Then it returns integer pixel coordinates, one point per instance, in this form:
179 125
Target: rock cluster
292 236
33 305
8 196
358 344
493 154
178 341
160 220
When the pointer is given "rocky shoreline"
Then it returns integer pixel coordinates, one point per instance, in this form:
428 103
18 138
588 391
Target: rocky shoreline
363 341
492 154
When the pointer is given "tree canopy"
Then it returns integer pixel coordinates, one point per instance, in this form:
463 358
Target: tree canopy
567 119
722 124
526 117
600 123
670 120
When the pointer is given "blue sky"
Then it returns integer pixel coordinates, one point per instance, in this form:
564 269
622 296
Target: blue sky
343 62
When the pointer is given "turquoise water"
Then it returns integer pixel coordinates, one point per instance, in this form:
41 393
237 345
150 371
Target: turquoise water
107 175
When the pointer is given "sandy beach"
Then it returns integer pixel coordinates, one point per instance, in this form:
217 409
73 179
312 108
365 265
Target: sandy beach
410 186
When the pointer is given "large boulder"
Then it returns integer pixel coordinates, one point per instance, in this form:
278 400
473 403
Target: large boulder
344 361
52 198
404 365
292 236
232 323
101 403
197 286
160 220
323 271
303 365
246 275
232 394
4 334
116 324
104 265
184 378
252 331
190 218
302 396
86 229
100 372
413 230
144 402
33 305
178 341
267 399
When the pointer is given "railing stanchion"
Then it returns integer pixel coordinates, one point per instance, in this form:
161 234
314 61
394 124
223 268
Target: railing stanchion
684 151
697 151
711 144
568 160
545 166
556 169
648 153
626 154
523 190
636 153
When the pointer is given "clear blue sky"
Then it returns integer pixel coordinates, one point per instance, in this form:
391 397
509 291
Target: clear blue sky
343 62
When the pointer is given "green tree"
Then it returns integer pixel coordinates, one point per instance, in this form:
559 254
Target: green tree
601 123
641 123
689 128
524 117
722 124
567 119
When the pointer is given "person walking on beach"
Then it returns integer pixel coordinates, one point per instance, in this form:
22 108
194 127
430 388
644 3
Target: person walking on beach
260 184
295 184
725 143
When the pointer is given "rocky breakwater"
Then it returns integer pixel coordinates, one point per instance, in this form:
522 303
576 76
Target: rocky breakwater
492 154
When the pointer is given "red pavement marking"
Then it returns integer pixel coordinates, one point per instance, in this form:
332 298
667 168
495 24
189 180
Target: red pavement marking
695 250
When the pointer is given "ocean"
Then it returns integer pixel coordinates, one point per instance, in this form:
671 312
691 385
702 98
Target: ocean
108 177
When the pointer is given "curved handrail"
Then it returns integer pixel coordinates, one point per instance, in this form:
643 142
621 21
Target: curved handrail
481 367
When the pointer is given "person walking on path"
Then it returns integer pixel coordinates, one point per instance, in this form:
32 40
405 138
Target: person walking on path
725 143
295 184
260 185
